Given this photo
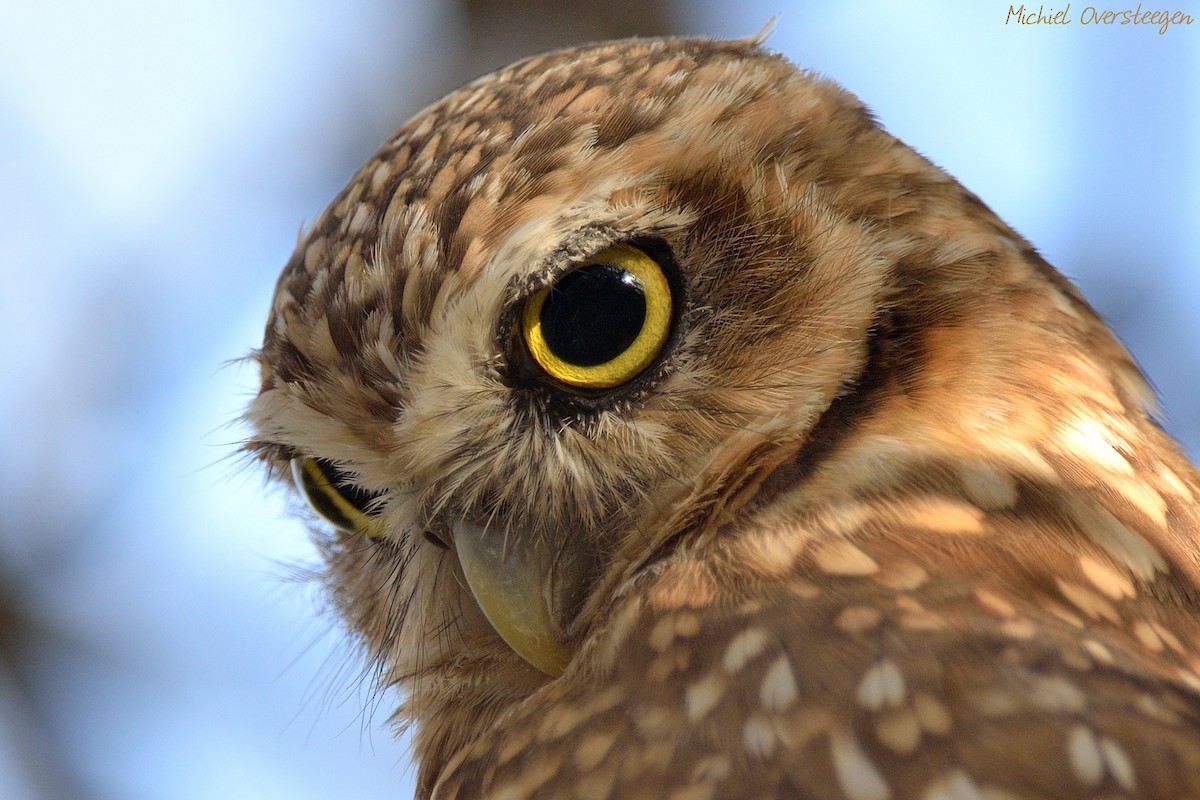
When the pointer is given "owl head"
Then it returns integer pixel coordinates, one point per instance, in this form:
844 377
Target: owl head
587 312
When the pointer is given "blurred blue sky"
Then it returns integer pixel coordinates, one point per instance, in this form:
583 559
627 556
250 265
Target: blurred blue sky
158 161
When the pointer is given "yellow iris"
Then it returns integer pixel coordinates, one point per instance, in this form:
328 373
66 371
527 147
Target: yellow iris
619 318
342 505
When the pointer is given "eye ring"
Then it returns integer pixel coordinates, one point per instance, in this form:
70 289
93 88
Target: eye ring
333 495
602 324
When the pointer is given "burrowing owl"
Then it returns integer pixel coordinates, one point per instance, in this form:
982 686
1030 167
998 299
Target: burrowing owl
685 435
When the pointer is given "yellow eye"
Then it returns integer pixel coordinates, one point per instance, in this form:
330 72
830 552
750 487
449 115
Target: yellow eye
335 496
600 325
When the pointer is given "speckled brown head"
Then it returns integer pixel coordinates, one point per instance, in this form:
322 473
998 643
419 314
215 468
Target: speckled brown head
687 435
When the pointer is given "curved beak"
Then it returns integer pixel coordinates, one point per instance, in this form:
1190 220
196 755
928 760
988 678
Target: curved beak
528 593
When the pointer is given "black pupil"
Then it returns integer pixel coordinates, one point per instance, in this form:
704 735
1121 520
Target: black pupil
593 314
357 496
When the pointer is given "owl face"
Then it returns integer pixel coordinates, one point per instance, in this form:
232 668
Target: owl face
564 336
605 311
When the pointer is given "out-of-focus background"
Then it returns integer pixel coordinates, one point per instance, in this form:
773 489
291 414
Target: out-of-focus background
157 161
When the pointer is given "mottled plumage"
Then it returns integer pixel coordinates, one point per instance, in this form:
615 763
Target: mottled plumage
887 516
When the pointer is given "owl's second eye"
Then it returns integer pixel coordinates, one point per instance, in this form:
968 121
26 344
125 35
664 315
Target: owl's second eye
335 496
603 323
